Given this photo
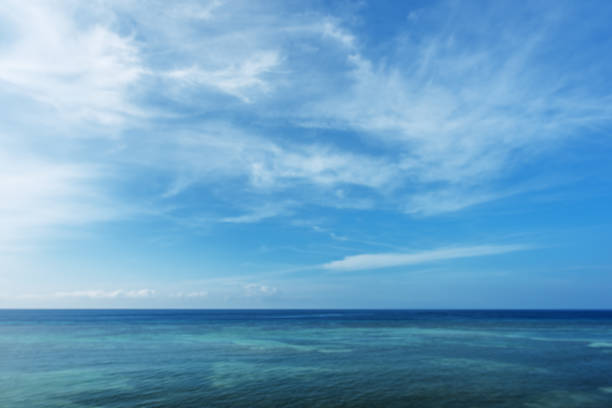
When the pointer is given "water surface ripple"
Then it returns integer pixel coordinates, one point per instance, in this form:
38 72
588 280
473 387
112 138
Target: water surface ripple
305 358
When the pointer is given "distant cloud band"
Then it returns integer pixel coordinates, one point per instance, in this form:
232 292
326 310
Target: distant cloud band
107 294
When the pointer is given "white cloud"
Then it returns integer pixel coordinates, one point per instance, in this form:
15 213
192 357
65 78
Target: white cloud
386 260
189 10
38 195
450 117
255 289
225 151
331 29
83 73
191 295
238 79
107 294
461 115
449 200
268 210
431 126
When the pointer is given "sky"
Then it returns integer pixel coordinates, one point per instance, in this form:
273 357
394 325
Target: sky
305 154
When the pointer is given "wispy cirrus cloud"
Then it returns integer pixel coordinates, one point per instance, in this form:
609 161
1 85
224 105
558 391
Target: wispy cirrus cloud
268 210
38 196
64 84
263 103
449 118
177 121
452 118
83 73
387 260
265 165
462 114
238 80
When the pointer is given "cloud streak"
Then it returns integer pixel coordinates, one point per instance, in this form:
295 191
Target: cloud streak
387 260
238 81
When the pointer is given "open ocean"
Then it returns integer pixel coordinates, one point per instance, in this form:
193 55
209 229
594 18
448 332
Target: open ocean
305 358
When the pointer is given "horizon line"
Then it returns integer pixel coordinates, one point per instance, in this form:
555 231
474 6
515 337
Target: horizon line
305 309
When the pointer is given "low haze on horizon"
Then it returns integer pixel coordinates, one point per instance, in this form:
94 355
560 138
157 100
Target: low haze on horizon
305 154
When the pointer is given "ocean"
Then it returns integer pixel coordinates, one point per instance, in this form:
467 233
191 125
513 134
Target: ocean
305 358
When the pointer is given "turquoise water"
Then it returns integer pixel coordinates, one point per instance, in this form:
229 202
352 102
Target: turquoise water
128 358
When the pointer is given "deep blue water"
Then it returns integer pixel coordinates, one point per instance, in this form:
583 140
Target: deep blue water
305 358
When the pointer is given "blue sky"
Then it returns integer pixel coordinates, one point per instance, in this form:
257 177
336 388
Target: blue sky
306 154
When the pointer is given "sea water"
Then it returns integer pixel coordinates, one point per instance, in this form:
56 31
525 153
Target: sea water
305 358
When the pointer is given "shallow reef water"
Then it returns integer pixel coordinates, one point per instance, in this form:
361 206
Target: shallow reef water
305 358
